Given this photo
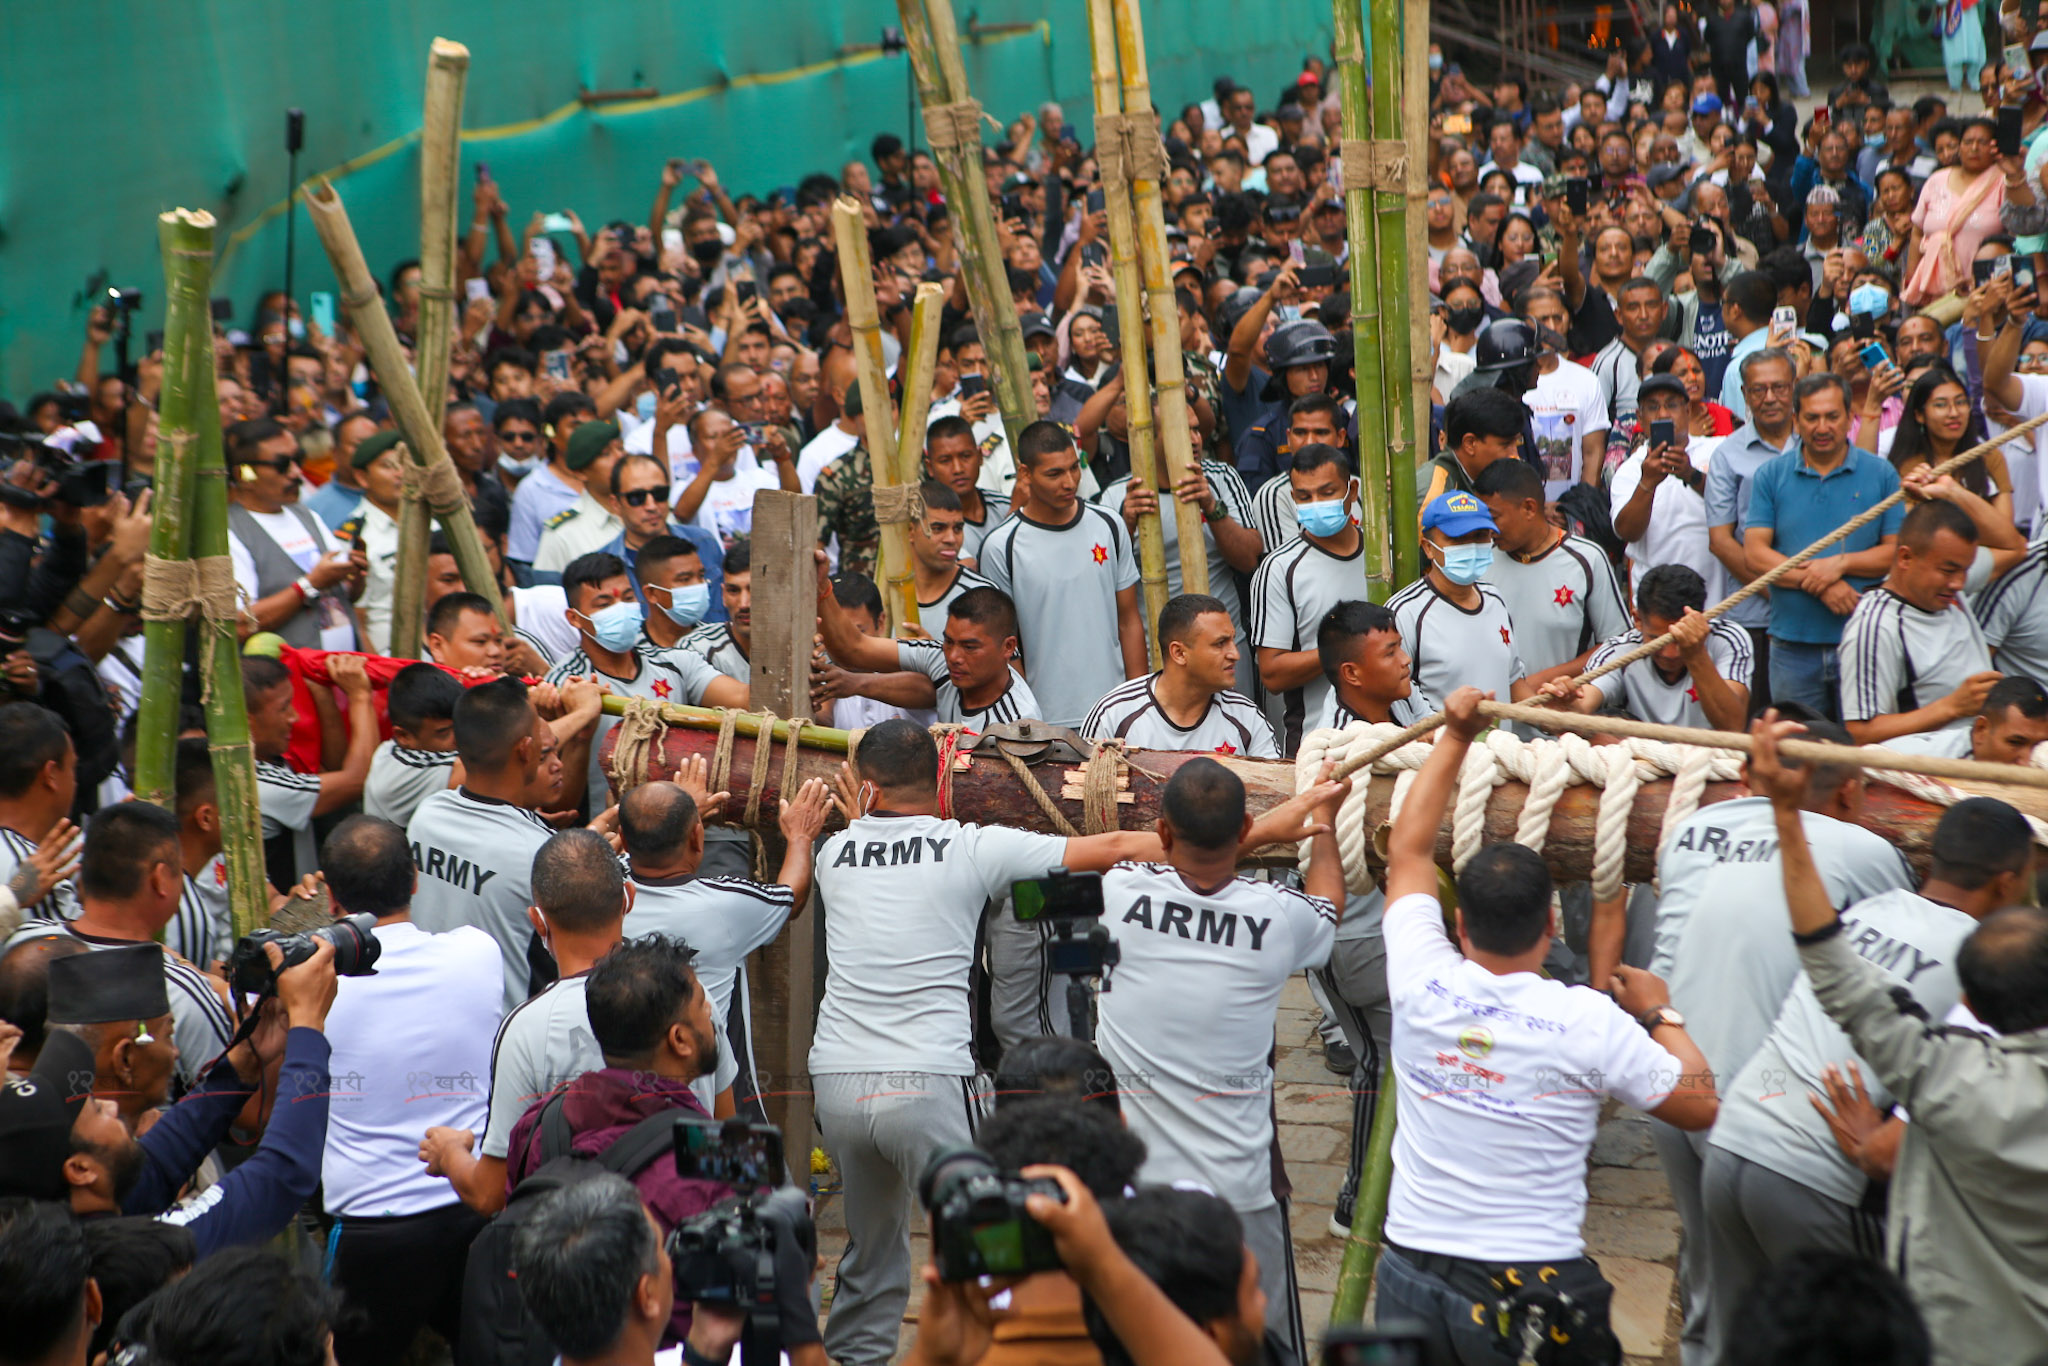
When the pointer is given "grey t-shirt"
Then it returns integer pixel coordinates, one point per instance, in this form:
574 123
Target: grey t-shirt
475 862
1563 602
1231 724
675 675
932 615
1765 1116
1231 497
1450 647
1293 589
927 657
1893 653
1649 696
2014 614
1064 581
543 1043
402 777
1724 935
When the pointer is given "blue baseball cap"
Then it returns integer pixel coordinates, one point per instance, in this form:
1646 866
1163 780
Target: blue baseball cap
1707 103
1458 514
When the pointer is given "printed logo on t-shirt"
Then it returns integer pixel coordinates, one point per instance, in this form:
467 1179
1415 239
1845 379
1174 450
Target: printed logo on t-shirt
662 688
1101 553
1475 1041
1564 595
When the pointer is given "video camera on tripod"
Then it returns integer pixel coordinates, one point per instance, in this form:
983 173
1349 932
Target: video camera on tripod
726 1255
1081 946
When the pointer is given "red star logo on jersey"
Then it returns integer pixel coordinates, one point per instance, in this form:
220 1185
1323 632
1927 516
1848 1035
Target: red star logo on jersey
1693 693
662 688
1563 596
1505 638
1101 553
1226 748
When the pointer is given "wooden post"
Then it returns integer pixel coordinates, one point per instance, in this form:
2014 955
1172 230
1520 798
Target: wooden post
933 44
440 167
1175 442
1130 313
1396 303
186 237
387 361
857 277
785 623
1361 232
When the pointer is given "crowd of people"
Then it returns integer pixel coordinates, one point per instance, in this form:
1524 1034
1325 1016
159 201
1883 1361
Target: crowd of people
1679 332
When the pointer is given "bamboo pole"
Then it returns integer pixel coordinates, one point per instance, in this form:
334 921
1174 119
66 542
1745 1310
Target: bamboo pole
422 434
920 361
1368 1209
440 168
746 723
1361 230
186 237
220 658
857 278
1397 304
1175 442
1406 517
933 43
1130 312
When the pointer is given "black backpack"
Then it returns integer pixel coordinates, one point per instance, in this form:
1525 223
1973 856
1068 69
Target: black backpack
496 1329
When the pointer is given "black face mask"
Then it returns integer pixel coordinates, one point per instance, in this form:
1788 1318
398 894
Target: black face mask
708 252
1464 321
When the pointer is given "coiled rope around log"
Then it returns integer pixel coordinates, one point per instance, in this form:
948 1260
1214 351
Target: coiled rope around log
1692 758
1741 595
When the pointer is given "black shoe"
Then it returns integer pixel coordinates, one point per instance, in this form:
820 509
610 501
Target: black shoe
1340 1217
1339 1059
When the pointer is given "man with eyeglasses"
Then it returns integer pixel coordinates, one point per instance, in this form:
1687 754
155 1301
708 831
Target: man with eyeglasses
299 580
1767 377
378 464
640 491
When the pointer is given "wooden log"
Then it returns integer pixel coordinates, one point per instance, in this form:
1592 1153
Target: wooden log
986 790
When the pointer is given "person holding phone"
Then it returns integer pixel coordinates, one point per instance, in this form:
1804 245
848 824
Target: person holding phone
1958 208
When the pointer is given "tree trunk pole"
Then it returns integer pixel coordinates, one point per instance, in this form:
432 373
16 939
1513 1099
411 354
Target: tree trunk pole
920 361
933 42
186 237
1361 231
857 278
220 658
1175 440
1398 306
440 167
1130 313
387 361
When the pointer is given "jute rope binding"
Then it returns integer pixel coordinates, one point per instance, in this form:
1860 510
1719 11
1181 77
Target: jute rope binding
897 503
950 127
200 589
1128 147
1727 604
1099 787
1377 164
641 728
436 485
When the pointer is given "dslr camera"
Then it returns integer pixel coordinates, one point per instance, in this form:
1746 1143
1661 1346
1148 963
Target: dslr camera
726 1255
355 952
79 482
979 1224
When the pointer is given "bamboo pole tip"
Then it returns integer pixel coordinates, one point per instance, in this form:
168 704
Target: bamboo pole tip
447 50
198 219
847 205
931 289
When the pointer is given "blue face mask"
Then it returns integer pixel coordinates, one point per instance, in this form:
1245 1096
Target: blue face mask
644 406
617 627
1323 519
1467 564
518 469
687 603
1436 61
1869 299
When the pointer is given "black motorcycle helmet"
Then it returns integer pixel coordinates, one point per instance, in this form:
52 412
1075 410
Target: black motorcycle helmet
1303 341
1507 352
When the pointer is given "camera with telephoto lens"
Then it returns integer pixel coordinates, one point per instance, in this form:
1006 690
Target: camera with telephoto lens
79 482
355 952
979 1224
726 1255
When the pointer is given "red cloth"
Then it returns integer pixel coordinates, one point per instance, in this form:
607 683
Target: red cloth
309 669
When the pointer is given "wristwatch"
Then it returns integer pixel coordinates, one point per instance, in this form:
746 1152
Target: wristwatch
1662 1015
1216 513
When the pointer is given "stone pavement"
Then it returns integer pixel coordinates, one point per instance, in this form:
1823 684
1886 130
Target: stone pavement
1630 1226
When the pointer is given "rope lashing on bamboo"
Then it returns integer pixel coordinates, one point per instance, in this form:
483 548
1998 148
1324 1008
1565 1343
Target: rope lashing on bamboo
950 127
640 729
757 774
948 735
792 755
896 503
1101 779
1646 753
1373 164
201 588
721 753
1733 600
1128 147
436 485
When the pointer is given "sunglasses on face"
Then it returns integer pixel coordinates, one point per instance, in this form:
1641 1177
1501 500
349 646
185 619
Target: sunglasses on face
283 464
518 438
634 498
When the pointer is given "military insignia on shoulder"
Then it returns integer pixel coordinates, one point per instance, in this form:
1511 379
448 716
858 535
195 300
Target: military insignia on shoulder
350 529
990 442
564 517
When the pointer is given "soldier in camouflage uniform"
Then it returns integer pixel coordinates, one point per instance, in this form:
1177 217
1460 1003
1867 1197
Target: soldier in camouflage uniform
846 507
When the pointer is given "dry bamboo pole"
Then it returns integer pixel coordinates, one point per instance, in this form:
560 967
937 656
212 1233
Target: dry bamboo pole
1362 232
186 236
1175 441
220 658
920 361
440 167
1397 301
387 361
857 278
933 43
1130 312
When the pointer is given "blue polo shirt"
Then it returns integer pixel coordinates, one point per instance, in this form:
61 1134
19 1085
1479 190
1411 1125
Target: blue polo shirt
1791 497
709 549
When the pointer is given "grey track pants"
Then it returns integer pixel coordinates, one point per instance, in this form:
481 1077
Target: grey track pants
881 1128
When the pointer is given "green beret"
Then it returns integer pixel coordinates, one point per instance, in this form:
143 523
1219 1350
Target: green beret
587 442
374 445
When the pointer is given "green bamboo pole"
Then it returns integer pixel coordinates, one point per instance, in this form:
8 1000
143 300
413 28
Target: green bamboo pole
220 656
857 278
186 236
1175 443
1130 312
1401 209
1360 229
933 43
747 724
1368 1211
387 361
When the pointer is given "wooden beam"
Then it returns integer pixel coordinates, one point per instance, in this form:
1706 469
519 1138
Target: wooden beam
785 601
